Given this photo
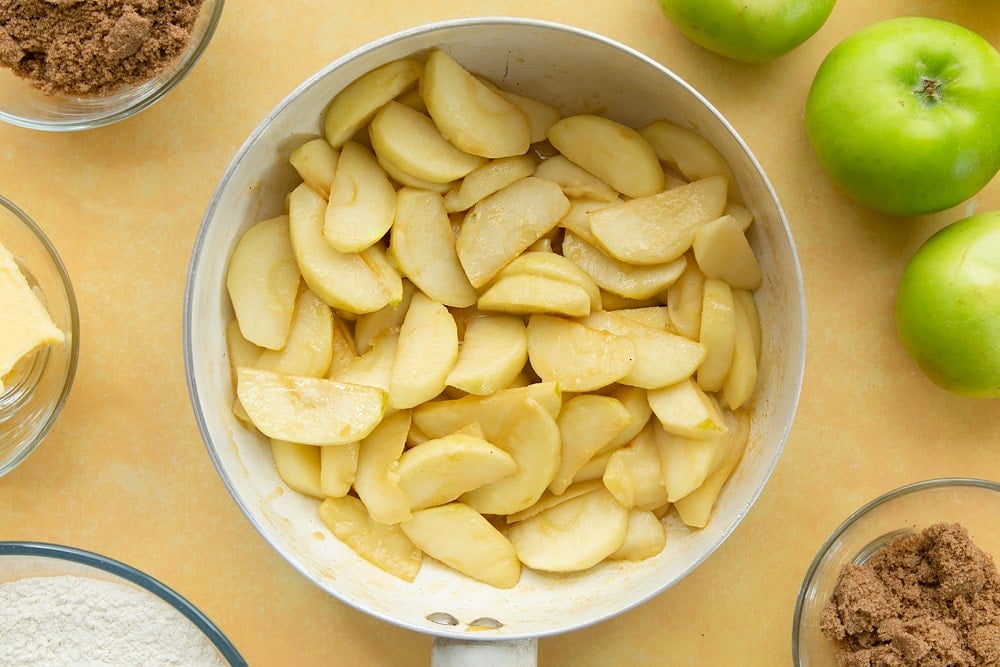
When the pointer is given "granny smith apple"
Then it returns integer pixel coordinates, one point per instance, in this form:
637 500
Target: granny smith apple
752 31
948 306
904 115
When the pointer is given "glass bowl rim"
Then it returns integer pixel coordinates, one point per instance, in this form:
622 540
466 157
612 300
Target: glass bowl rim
857 515
135 576
186 63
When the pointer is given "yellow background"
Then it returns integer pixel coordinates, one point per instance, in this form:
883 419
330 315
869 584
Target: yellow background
124 471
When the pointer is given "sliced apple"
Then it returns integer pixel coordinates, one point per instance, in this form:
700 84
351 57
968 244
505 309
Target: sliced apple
439 418
684 301
578 357
686 151
686 462
636 403
576 219
298 466
753 317
593 469
654 317
374 367
575 181
645 537
316 163
468 113
540 116
684 409
722 251
483 181
312 411
587 423
262 281
613 152
362 201
403 178
384 546
376 479
309 347
627 280
571 536
440 470
739 384
695 508
427 351
634 475
526 294
343 346
493 352
547 264
549 499
355 106
423 245
718 334
502 226
368 327
338 465
242 352
660 227
462 539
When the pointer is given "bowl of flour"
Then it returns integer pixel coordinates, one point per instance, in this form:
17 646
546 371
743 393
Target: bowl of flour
65 606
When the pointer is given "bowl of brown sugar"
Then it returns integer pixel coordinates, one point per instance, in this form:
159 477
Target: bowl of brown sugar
908 579
77 64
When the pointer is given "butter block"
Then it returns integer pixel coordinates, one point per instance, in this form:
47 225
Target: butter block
25 324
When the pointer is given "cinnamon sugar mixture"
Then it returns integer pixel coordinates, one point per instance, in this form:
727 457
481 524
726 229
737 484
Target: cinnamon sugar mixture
925 600
91 47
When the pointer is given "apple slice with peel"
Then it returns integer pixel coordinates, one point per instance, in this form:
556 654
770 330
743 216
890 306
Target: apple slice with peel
411 142
298 466
645 537
502 226
464 540
531 437
695 508
355 106
578 357
573 535
362 201
376 479
493 351
634 475
525 294
309 347
262 280
385 546
311 411
614 153
660 227
427 351
440 470
423 244
338 465
354 282
686 462
685 410
723 251
316 163
621 278
483 181
468 113
439 418
587 423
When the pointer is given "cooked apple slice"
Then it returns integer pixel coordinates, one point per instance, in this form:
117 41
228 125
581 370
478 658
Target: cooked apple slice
635 401
242 352
549 499
627 280
386 547
355 106
427 351
311 411
440 470
502 226
374 367
578 357
576 219
526 294
684 301
369 327
552 265
654 317
686 462
439 418
696 507
348 281
614 153
662 358
634 475
753 317
686 151
309 348
739 384
483 181
338 465
376 479
262 281
403 178
531 437
645 537
684 409
468 113
343 346
540 116
571 536
660 227
423 245
718 334
462 539
575 181
593 469
316 162
587 423
412 142
723 252
298 466
493 351
362 201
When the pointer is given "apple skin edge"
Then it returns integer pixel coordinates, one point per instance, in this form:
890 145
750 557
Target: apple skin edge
903 115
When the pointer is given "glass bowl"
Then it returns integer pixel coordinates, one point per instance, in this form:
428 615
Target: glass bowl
23 104
973 503
21 561
30 404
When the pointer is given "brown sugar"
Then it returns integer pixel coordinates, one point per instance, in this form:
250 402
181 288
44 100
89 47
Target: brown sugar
92 47
926 600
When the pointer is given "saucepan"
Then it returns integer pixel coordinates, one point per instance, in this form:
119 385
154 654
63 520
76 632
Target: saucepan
473 623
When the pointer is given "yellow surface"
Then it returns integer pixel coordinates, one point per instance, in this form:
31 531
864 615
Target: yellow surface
124 471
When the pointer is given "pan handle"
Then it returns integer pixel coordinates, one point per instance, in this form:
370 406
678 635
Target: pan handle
447 652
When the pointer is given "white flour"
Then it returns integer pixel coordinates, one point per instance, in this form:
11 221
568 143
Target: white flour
79 621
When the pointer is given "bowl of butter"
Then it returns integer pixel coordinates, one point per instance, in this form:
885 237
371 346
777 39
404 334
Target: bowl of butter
39 335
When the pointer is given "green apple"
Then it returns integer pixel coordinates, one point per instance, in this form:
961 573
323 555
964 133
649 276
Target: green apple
903 115
753 32
948 306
